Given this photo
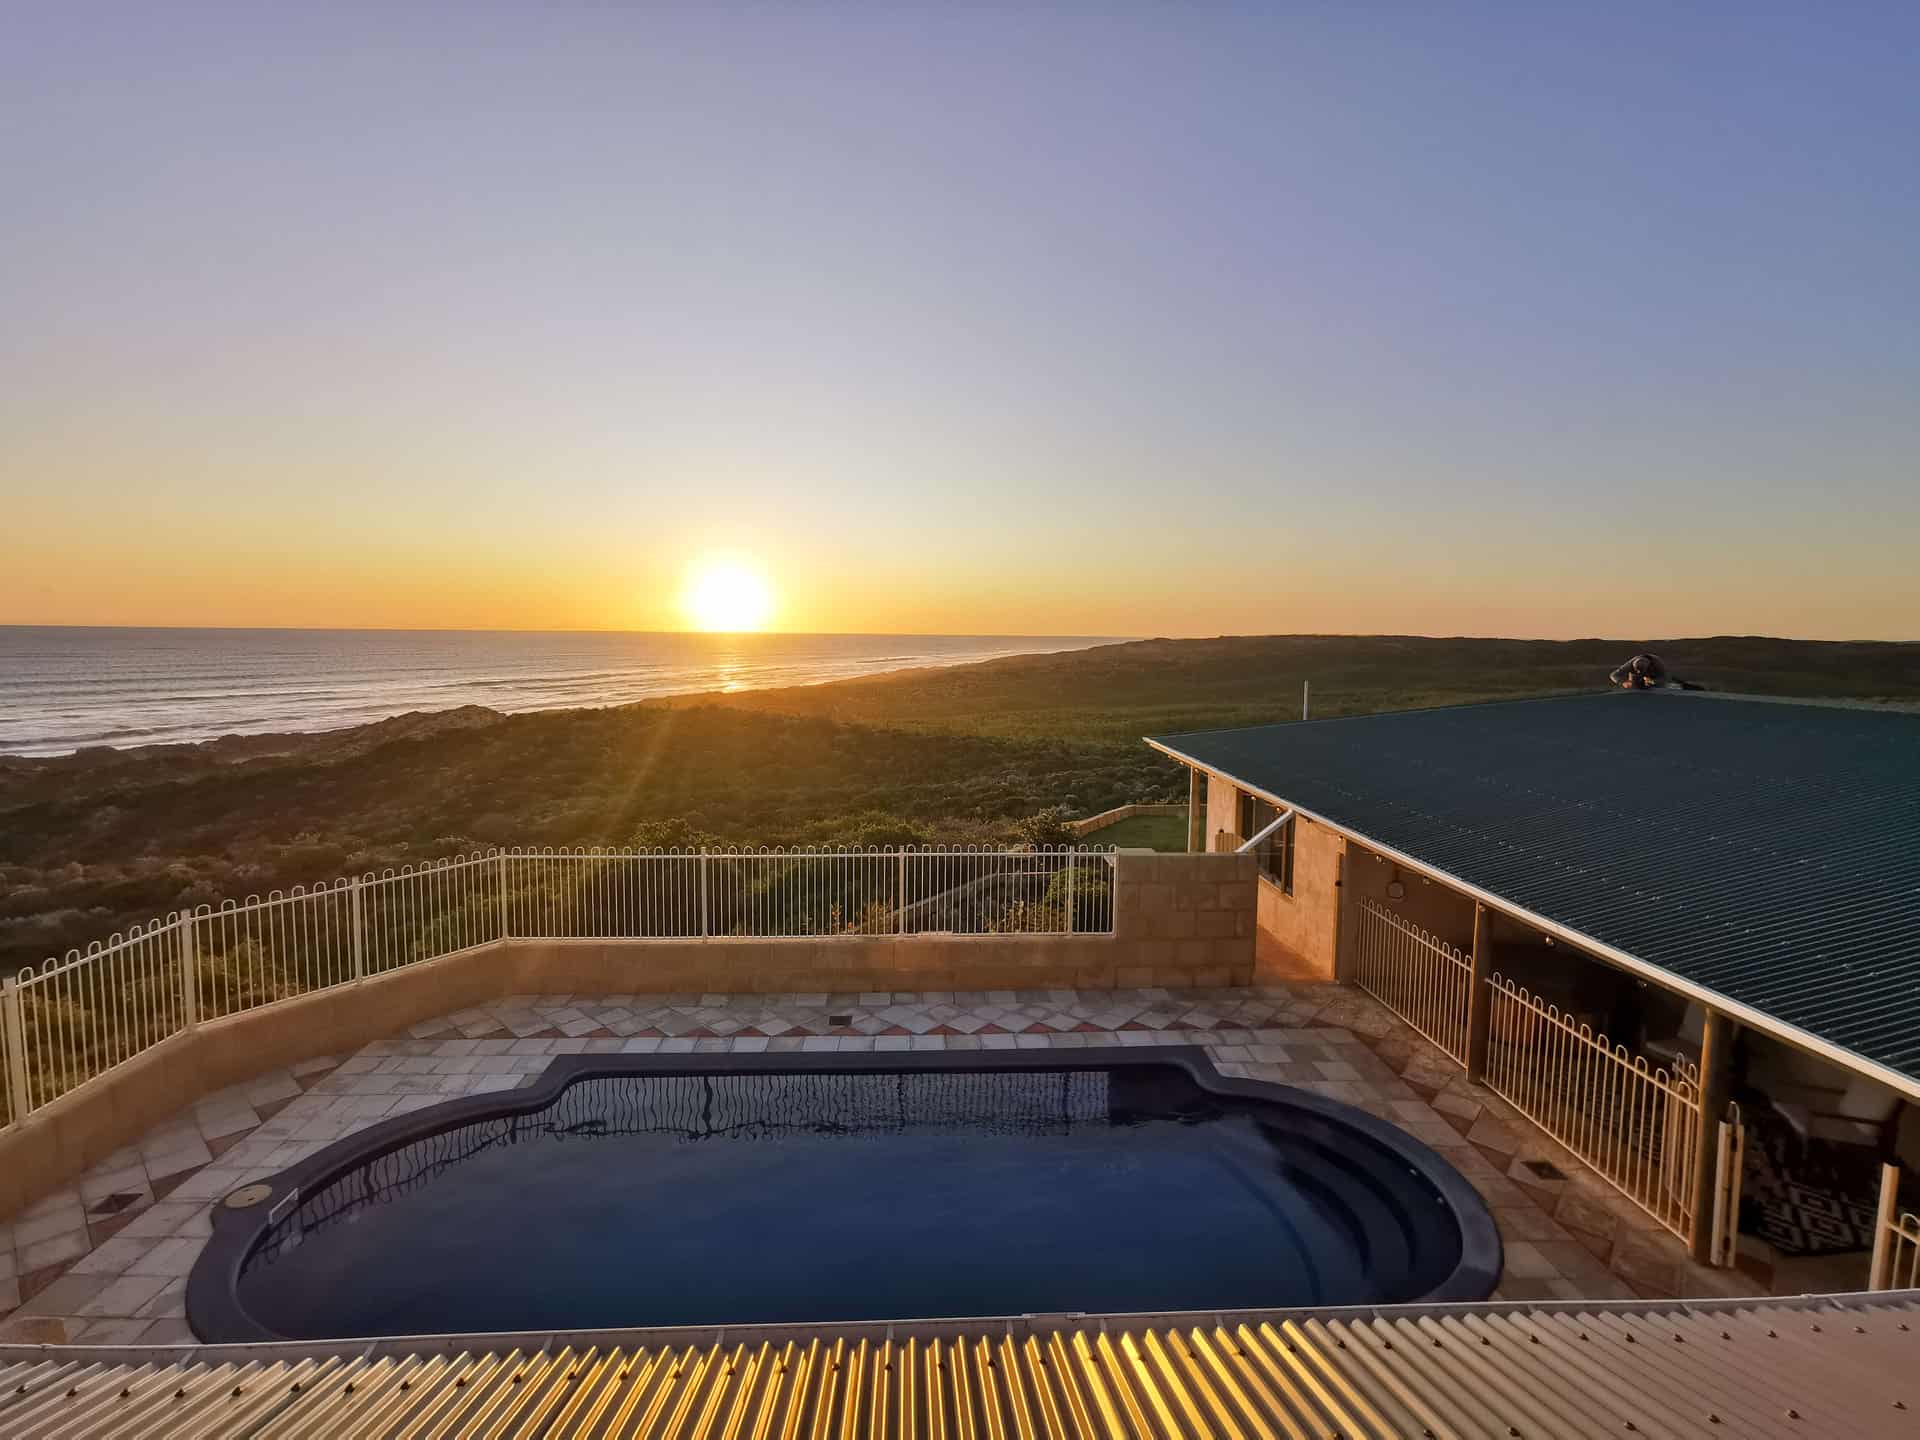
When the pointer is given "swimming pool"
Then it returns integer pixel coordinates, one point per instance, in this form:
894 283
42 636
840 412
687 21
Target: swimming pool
695 1190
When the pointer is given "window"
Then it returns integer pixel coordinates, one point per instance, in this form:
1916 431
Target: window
1276 851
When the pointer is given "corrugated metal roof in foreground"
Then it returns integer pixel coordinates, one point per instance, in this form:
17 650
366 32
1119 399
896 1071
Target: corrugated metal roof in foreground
1844 1366
1767 852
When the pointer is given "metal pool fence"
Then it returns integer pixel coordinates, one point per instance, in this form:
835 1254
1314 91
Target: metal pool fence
69 1020
1635 1125
1418 976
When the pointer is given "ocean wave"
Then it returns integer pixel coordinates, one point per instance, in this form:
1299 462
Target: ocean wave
68 689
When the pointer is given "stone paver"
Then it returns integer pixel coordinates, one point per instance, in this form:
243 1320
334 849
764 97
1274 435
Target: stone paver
105 1260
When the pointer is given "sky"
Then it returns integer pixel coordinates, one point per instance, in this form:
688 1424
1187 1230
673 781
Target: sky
1157 319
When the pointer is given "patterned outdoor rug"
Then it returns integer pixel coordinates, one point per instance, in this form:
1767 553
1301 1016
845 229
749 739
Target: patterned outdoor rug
1798 1215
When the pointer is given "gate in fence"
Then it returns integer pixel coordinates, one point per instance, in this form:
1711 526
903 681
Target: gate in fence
1896 1239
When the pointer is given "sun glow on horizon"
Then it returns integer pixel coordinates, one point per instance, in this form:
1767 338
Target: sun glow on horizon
727 594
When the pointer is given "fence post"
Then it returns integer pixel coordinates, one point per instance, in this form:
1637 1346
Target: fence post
703 893
189 973
900 925
1480 996
1722 1158
1879 1277
1073 864
356 905
500 875
12 1016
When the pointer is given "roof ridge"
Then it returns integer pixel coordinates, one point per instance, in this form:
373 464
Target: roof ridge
1490 703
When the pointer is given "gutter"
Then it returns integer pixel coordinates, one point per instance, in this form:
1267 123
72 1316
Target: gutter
1905 1085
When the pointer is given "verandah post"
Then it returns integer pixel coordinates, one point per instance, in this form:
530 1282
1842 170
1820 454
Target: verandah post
1480 996
14 1022
1716 1079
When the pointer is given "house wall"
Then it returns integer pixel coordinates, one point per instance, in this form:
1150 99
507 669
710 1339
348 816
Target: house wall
1223 813
1445 913
1294 934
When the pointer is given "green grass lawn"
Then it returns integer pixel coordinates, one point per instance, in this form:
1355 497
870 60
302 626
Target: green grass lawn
1143 832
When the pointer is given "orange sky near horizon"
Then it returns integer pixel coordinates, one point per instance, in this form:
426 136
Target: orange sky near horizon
1173 578
1593 324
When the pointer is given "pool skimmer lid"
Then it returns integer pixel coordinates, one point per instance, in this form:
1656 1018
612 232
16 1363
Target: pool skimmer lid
247 1196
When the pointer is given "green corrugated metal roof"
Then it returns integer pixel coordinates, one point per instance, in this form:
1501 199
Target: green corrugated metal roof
1767 852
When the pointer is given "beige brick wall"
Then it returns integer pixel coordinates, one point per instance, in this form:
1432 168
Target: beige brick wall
1294 936
1183 920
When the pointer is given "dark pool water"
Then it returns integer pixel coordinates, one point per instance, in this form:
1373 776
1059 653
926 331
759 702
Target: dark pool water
667 1200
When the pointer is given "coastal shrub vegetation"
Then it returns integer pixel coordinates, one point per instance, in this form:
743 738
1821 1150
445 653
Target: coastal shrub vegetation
1001 753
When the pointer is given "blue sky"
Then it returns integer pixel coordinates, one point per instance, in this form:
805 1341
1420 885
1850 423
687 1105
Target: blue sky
1532 320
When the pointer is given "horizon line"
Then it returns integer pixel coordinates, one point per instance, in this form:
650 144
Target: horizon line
966 634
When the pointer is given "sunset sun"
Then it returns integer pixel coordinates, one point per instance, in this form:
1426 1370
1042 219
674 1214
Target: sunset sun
727 593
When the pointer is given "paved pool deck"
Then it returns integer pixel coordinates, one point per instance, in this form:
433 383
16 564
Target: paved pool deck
105 1261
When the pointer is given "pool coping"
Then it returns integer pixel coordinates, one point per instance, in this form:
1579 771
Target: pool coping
213 1301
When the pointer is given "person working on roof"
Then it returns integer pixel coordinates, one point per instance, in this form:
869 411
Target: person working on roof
1645 671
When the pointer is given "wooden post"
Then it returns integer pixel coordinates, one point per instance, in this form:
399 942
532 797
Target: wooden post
1480 996
1716 1080
1196 811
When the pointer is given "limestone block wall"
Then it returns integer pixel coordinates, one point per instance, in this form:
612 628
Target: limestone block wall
1295 934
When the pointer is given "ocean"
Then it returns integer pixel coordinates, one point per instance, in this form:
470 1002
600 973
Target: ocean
64 688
